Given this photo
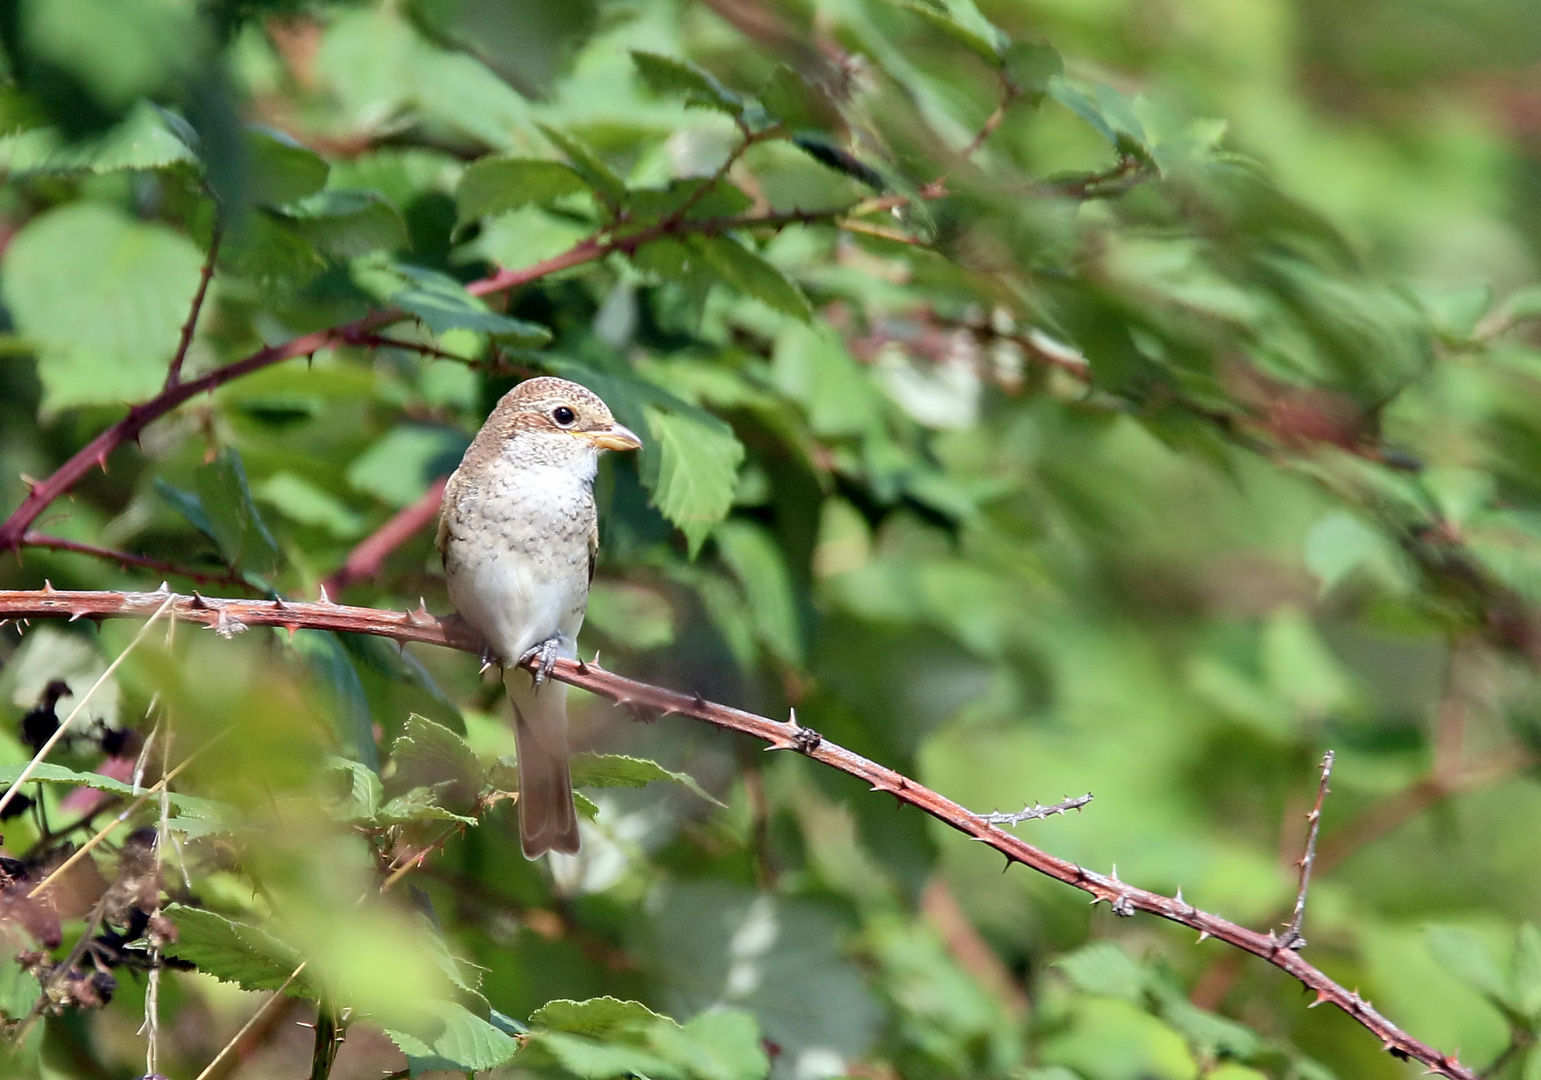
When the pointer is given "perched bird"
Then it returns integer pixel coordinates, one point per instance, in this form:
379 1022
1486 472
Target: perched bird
518 532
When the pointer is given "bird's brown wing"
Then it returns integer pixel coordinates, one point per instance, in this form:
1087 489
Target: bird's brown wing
441 538
593 547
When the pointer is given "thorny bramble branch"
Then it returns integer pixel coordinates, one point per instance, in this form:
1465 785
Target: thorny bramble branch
1038 811
229 617
1292 937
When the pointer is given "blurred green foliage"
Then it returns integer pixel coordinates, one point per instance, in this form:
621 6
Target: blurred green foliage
1145 400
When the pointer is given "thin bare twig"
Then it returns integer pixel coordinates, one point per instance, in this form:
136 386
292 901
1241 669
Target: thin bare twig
152 997
1401 807
107 830
1292 938
127 559
642 698
174 372
216 1068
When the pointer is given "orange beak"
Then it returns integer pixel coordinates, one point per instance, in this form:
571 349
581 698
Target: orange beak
614 437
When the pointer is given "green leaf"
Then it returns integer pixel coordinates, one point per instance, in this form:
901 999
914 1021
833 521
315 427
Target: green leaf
443 305
115 52
788 97
712 943
400 465
346 224
760 568
431 756
49 773
1524 303
452 1038
334 668
420 804
691 467
492 185
751 274
1106 970
635 616
364 792
232 519
600 1018
1465 954
961 20
722 1044
592 1060
618 770
524 237
103 298
280 170
236 952
187 504
19 990
596 174
1029 66
647 206
144 140
813 366
1082 105
1340 544
300 500
679 78
1525 970
1215 1036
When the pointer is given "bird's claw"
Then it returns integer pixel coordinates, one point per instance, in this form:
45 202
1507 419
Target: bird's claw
544 657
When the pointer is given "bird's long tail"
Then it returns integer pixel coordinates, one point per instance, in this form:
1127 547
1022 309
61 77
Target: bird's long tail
548 820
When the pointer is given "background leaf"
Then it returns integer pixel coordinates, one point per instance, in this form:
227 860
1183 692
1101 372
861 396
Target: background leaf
103 297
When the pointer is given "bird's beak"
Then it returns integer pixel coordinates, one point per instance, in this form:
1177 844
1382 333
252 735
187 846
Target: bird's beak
614 437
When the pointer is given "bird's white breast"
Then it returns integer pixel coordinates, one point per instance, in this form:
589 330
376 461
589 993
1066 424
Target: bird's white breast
517 556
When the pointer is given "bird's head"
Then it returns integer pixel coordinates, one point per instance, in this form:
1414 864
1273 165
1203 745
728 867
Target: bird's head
556 422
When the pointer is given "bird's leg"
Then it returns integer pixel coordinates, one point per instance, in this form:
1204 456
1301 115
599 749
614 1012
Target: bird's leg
544 656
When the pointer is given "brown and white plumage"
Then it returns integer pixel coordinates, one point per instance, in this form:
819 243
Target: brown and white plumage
518 532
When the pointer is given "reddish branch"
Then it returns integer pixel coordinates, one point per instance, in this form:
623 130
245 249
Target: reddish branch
128 558
361 331
95 453
174 373
365 560
227 616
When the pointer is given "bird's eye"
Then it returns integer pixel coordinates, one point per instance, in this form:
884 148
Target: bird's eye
563 415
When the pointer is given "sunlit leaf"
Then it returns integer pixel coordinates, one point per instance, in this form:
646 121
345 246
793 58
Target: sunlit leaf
104 298
680 78
453 1038
694 470
236 952
595 173
760 568
493 185
753 275
619 770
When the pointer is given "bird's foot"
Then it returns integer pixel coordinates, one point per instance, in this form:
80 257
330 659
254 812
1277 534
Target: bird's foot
544 657
488 660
